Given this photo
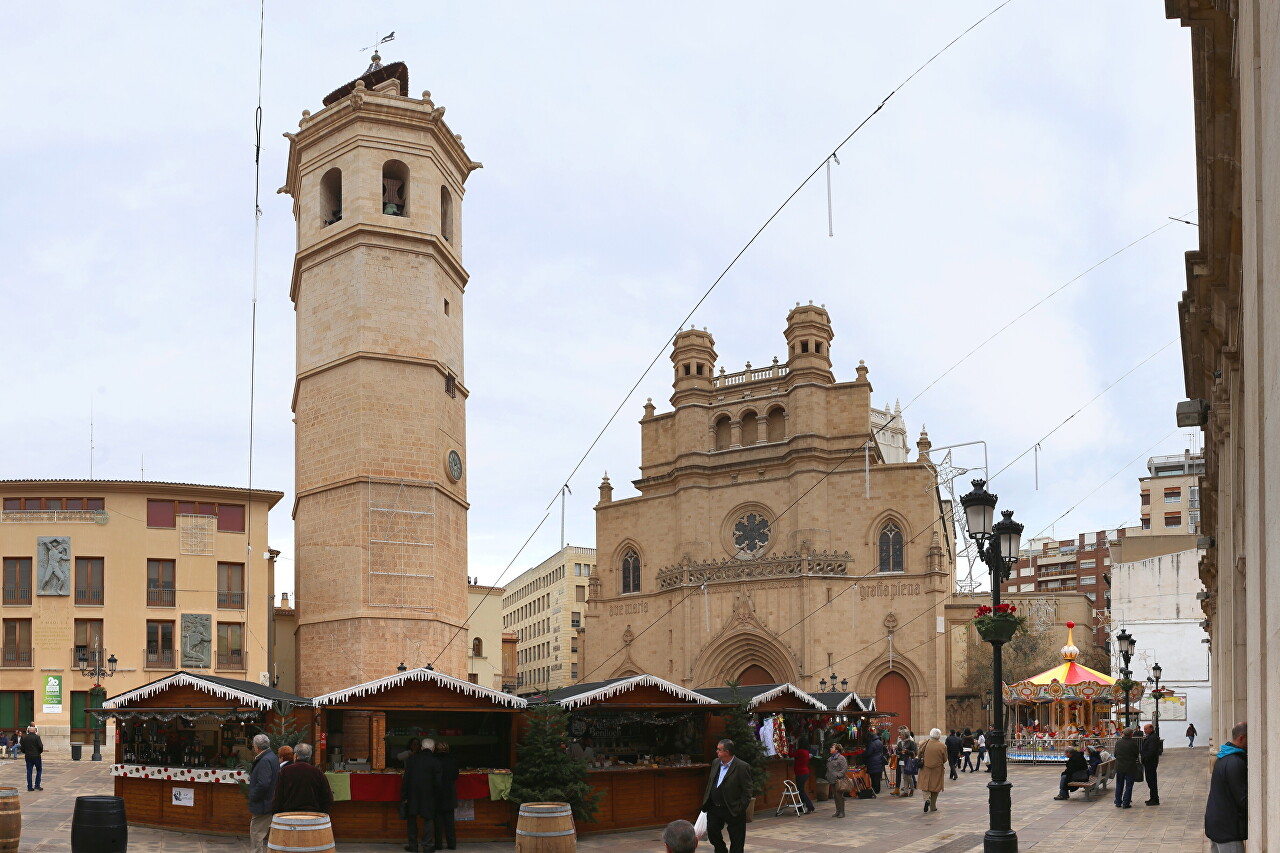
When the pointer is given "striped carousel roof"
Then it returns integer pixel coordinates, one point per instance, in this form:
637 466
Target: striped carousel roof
1070 672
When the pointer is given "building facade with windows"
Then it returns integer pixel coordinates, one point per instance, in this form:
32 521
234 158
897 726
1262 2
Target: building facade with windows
544 608
155 577
1060 566
775 539
1170 495
486 638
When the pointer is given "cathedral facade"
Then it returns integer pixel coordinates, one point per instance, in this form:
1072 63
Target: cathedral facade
781 534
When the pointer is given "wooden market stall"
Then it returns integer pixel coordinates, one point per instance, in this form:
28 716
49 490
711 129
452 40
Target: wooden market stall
179 744
651 748
365 729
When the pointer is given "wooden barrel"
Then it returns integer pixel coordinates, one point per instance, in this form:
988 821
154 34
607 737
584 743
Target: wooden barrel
545 828
98 826
10 819
300 832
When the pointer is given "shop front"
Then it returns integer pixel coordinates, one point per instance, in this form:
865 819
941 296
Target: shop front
647 746
183 744
365 734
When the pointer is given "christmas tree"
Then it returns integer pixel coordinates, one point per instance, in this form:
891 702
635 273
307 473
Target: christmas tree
738 728
544 772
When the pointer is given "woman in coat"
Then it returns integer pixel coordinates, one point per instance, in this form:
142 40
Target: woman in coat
933 761
837 769
875 762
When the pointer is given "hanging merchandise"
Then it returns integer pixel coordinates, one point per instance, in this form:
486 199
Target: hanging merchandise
766 737
780 737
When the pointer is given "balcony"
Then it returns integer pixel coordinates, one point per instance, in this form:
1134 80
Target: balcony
54 516
230 600
15 657
91 595
17 595
231 660
161 597
1059 571
157 658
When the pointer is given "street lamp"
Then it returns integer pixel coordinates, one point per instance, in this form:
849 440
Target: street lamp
1156 672
844 684
91 666
1125 643
998 545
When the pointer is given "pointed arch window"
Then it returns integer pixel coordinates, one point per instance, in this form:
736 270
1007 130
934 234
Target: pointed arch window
630 571
890 557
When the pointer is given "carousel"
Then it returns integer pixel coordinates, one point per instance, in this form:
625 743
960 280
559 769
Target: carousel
1066 705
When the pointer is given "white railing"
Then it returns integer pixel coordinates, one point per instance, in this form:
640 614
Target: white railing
55 516
774 371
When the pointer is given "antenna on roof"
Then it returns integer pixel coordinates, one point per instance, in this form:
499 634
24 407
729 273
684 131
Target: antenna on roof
90 436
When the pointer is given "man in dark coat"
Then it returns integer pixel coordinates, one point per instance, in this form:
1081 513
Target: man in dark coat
1151 749
1226 815
1127 753
32 749
953 753
262 790
874 757
729 790
419 790
302 787
447 800
1077 770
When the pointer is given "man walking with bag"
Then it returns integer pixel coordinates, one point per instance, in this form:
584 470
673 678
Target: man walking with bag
729 790
838 777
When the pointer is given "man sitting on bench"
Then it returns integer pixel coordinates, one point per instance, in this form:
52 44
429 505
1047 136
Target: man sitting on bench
1077 770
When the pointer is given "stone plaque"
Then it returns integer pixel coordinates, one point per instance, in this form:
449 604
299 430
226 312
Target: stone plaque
53 566
197 640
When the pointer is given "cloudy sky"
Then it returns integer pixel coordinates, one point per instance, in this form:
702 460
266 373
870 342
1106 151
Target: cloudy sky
630 151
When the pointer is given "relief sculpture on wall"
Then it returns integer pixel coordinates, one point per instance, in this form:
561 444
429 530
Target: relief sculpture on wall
53 570
197 640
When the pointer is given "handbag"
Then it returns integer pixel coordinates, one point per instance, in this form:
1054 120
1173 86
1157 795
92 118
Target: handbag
844 784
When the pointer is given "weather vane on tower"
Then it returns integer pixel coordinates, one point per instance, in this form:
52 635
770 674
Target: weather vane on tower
376 62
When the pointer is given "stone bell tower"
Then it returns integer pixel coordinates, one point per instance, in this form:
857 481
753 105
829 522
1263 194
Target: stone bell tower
380 515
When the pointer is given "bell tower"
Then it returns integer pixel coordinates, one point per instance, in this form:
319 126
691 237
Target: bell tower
379 401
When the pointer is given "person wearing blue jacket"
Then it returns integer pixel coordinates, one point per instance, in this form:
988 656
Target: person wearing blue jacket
262 790
1226 814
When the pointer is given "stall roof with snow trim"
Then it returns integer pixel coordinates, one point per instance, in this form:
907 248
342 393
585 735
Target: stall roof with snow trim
768 697
247 693
417 688
646 690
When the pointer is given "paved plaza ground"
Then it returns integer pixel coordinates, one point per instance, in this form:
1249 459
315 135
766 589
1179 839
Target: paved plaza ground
872 826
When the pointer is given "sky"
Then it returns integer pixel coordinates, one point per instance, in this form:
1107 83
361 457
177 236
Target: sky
630 152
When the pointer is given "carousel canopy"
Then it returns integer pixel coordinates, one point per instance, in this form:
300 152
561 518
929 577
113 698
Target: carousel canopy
1069 681
1069 672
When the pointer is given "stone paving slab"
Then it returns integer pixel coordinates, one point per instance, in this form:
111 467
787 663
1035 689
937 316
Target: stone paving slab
872 826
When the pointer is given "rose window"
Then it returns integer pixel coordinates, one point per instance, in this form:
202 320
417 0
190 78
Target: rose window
751 535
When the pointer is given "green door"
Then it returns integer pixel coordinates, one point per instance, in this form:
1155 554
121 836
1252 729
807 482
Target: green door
26 708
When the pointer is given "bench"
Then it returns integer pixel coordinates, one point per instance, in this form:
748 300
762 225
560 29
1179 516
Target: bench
1106 770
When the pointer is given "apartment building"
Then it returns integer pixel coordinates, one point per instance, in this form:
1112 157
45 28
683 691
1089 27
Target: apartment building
1082 564
544 608
486 661
1170 495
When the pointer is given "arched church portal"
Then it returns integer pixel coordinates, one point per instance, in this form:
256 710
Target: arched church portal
894 694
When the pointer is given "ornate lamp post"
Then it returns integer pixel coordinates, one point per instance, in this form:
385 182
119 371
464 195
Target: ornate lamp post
91 666
1157 694
844 684
1125 644
998 546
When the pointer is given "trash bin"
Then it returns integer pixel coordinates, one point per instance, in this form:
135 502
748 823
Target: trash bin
76 748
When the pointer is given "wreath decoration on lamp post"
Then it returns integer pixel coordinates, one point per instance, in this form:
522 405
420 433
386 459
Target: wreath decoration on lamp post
998 624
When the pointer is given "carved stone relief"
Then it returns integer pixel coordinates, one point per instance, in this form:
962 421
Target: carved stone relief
197 640
53 569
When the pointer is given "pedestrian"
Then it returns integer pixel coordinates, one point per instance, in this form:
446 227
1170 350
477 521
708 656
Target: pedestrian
953 753
302 787
33 749
837 772
1127 756
420 788
1226 815
966 747
4 745
1094 758
1077 770
1191 736
802 778
730 787
903 751
1151 749
980 743
262 790
446 832
874 757
933 756
411 748
680 837
285 754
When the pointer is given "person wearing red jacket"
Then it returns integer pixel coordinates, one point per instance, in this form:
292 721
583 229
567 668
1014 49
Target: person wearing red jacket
802 777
